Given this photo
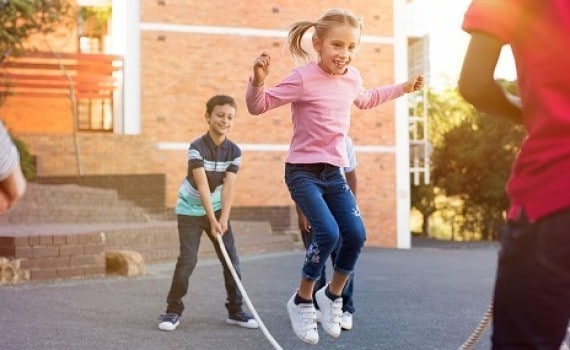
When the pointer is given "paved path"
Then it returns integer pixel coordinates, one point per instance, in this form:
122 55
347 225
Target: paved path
428 297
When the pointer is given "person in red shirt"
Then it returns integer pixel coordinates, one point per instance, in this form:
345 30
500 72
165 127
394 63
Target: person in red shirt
532 287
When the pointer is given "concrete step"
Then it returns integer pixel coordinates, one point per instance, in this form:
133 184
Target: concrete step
36 213
71 204
69 193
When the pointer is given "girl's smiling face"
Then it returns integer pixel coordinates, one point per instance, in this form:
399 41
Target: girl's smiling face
337 49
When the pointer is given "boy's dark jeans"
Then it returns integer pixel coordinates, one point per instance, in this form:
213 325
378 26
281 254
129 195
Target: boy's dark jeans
532 287
190 230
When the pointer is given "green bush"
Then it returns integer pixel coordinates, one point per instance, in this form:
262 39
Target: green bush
27 160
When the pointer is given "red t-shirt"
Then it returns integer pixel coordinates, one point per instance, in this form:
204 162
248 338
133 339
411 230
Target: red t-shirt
538 32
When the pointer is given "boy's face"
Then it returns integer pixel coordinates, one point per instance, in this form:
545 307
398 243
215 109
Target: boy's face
221 119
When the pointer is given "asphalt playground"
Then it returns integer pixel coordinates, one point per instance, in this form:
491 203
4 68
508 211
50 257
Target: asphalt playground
429 297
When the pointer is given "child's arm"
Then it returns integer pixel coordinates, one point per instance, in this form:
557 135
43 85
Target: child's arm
12 188
12 180
352 181
261 69
4 203
258 99
227 199
374 97
414 84
302 220
477 83
201 180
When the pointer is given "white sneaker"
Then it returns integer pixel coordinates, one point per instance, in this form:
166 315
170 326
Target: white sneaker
303 321
318 315
168 322
346 320
331 312
242 319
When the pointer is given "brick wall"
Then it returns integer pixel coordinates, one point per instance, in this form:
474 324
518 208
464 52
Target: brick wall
281 218
377 15
100 153
49 257
24 115
176 87
180 71
42 115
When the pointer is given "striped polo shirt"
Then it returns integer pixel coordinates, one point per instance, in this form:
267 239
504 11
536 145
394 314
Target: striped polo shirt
216 161
9 156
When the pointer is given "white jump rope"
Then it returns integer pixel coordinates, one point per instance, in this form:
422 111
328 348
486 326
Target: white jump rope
467 345
268 335
470 342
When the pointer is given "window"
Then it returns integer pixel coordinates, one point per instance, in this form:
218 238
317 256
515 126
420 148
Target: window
94 113
92 28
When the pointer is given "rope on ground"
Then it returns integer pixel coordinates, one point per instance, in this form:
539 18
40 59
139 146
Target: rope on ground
470 342
268 335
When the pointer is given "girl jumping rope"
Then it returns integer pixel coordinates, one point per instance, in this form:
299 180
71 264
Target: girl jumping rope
321 94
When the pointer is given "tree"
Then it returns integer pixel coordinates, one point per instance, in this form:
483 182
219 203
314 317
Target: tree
473 163
445 110
423 200
470 164
19 19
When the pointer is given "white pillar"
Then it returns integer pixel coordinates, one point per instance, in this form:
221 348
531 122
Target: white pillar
126 42
403 235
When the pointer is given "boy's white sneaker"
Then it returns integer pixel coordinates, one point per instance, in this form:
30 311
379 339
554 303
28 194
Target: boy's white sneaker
303 321
346 320
168 322
242 319
331 312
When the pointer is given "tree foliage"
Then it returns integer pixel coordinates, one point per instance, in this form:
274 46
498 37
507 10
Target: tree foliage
19 19
471 162
423 200
445 110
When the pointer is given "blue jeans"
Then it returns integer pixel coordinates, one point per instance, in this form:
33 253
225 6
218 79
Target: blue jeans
190 230
532 287
322 194
347 303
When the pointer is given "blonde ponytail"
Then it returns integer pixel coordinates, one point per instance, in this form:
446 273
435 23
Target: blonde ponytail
295 40
330 19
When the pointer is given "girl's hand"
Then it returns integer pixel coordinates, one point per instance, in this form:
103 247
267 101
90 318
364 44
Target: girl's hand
261 69
414 84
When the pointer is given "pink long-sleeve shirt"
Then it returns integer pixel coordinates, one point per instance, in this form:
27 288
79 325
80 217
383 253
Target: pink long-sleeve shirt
320 108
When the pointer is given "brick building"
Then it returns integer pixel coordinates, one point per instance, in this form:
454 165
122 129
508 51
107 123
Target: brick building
175 54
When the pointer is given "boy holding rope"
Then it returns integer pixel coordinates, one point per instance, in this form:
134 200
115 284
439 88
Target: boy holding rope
204 204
